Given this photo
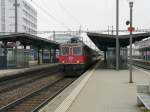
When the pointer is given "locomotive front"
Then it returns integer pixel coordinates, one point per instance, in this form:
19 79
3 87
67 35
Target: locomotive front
72 56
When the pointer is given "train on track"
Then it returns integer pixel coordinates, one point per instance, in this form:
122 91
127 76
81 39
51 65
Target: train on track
76 56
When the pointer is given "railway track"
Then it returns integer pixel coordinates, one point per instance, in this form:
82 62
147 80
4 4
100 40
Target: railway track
13 89
31 91
9 85
142 64
15 93
35 100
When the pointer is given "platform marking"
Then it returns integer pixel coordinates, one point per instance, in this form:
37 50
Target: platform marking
142 70
64 106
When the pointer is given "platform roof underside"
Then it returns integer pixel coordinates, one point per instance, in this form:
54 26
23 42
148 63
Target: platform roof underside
103 41
28 39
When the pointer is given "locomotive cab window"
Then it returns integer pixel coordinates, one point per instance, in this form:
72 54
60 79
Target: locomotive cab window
65 50
77 50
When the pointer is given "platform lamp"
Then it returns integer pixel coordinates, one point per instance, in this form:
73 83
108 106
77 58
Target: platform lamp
130 29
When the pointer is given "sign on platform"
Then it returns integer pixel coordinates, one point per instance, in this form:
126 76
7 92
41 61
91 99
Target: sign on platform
131 29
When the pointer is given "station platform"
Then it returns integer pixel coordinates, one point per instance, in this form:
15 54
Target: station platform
12 72
101 90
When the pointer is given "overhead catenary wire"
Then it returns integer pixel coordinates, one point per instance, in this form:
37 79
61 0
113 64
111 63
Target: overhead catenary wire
67 12
44 2
49 15
54 18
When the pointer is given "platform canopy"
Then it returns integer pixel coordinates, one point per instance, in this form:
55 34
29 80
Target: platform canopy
28 39
103 41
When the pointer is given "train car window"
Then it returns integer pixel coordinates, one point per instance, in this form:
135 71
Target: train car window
77 50
65 50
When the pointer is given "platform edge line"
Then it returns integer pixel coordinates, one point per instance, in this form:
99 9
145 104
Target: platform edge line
142 71
64 106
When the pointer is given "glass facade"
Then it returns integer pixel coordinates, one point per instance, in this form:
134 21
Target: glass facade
19 58
111 58
15 58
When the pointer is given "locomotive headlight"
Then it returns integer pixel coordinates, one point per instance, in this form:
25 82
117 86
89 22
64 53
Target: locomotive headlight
63 61
78 61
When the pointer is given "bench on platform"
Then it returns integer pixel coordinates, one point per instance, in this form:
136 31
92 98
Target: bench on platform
143 95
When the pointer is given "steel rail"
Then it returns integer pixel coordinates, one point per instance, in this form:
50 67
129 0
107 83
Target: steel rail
10 85
142 64
49 99
14 103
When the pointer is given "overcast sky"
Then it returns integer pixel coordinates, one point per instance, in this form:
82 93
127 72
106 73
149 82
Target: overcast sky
91 14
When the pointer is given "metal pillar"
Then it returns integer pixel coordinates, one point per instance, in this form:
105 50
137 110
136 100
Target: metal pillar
54 54
117 34
42 55
131 7
24 55
16 52
25 47
50 55
105 56
38 55
5 54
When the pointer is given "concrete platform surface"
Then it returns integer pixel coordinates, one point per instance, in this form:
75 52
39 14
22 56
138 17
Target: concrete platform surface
109 91
10 72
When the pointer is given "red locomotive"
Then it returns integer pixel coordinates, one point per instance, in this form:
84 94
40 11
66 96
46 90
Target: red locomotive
76 56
